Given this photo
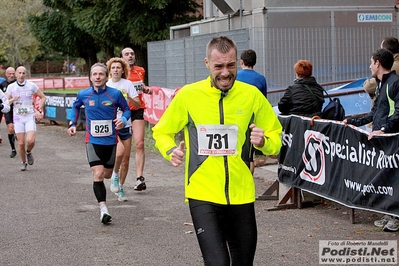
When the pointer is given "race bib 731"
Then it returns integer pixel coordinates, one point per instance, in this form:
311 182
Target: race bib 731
217 140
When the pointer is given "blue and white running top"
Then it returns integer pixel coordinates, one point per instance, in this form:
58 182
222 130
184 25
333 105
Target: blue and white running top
100 109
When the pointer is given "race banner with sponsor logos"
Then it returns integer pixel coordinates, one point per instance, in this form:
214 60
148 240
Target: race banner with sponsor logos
157 102
339 163
58 107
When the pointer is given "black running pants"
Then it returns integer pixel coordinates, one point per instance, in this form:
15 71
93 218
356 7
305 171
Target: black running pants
227 234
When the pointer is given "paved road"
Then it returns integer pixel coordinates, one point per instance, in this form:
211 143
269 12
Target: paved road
49 215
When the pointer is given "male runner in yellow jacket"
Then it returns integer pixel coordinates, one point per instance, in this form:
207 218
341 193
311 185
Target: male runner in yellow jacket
222 120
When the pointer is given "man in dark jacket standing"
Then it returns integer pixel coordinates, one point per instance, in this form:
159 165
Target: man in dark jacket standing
385 112
10 78
392 45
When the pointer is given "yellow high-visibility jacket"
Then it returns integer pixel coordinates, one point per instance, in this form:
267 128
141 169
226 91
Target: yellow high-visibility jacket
218 179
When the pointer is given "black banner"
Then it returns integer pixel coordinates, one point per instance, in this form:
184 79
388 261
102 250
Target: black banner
339 163
58 107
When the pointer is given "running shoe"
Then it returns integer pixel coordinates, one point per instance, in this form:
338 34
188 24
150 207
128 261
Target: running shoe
140 184
392 225
13 154
121 195
114 187
383 221
24 166
105 218
29 156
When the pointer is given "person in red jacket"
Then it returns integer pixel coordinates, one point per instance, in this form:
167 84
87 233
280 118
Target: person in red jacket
137 75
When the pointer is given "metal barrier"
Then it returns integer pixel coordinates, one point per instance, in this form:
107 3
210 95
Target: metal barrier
274 96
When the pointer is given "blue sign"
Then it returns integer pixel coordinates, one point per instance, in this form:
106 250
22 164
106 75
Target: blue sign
374 17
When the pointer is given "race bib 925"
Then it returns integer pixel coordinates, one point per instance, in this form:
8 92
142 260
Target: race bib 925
101 128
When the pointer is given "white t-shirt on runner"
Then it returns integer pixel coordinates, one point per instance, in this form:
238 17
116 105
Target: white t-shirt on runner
25 91
131 92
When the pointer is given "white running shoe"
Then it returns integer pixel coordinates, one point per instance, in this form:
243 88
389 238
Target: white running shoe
140 184
383 221
392 225
24 166
114 187
105 218
121 195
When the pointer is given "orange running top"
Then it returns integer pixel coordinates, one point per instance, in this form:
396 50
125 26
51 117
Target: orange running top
137 75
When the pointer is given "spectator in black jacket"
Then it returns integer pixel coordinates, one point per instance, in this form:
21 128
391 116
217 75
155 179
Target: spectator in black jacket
10 78
304 97
385 112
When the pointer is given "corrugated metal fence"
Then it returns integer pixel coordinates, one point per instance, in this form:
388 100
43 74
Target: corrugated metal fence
336 54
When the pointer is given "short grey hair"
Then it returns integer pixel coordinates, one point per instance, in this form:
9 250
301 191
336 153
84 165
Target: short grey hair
100 65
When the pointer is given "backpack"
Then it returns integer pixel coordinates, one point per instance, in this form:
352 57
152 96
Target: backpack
333 110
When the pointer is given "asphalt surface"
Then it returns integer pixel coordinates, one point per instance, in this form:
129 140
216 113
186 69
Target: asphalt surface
49 215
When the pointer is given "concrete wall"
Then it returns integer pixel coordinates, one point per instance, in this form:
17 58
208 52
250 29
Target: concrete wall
332 37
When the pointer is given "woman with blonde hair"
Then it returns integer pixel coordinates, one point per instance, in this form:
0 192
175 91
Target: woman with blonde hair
118 71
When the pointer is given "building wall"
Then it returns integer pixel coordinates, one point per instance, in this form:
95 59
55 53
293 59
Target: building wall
320 3
333 38
297 14
174 63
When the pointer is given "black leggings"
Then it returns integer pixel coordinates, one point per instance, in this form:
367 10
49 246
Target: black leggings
225 232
